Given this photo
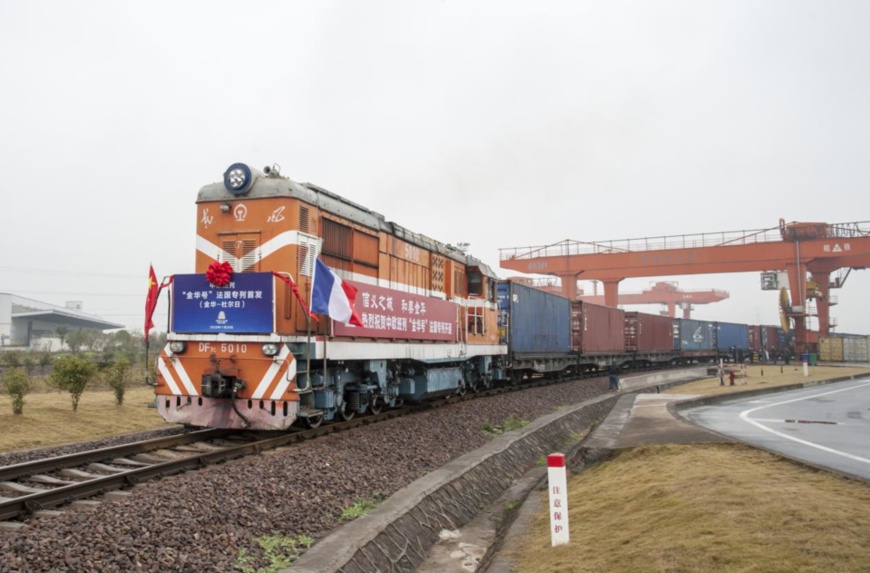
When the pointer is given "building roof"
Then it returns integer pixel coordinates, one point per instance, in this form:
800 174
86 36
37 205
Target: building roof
23 308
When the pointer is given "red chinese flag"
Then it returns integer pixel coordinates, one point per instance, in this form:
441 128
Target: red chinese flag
151 300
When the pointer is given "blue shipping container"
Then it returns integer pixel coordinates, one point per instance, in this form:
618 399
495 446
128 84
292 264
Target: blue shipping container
729 334
533 321
691 334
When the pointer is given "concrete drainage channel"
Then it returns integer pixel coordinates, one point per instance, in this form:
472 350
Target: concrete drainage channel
400 533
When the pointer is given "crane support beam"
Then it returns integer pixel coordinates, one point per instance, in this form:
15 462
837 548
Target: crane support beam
694 261
797 248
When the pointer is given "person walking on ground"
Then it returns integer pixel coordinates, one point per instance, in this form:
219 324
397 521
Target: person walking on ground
613 372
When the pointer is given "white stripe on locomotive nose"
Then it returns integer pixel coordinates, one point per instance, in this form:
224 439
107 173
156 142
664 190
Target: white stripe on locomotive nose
167 375
285 380
270 374
213 251
282 240
185 379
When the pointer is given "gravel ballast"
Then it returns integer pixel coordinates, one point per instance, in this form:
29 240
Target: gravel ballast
199 521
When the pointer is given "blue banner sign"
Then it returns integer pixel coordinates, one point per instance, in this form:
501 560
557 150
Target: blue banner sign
244 306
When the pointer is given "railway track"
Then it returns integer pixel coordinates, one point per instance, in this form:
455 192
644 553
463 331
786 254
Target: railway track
52 483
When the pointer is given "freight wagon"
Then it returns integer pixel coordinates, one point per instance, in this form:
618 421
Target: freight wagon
693 338
731 341
536 327
597 334
754 334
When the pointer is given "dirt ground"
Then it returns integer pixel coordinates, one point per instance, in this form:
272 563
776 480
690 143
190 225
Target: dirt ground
49 420
767 376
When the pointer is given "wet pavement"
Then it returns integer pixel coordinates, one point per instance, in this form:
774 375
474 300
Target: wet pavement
824 426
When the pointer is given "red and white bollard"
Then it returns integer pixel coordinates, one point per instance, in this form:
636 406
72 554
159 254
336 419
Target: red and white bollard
558 483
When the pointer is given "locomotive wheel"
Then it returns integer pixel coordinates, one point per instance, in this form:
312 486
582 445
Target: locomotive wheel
377 405
312 422
462 389
346 413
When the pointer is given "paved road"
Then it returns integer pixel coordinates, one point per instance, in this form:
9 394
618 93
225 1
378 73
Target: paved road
825 426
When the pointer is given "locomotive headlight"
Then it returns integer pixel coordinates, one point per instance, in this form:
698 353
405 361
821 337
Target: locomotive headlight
238 179
177 347
270 349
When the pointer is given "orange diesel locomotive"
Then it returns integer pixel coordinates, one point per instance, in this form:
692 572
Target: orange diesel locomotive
243 352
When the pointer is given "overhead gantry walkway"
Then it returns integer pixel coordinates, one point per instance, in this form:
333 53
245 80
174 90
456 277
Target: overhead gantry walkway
820 249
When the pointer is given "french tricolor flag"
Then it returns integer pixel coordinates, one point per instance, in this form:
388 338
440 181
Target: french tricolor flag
332 296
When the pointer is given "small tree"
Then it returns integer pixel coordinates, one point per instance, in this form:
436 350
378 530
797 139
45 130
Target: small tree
12 359
72 374
61 332
44 361
117 375
29 364
77 340
16 383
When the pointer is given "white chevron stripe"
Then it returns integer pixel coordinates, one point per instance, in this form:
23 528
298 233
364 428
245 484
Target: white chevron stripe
213 251
167 375
185 379
285 381
270 374
277 242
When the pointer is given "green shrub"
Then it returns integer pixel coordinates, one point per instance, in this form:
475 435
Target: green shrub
117 376
12 359
359 508
16 383
513 422
72 374
280 552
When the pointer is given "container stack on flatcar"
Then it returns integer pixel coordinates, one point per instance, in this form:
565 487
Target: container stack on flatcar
754 338
693 339
650 336
536 326
731 341
597 334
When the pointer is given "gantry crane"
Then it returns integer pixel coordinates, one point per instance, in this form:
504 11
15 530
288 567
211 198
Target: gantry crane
819 249
666 293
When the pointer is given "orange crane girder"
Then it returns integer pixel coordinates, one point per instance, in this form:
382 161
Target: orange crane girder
697 260
799 248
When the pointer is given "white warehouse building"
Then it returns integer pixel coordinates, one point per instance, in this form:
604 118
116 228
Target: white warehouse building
24 321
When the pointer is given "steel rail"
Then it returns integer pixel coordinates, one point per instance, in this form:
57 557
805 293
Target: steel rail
17 471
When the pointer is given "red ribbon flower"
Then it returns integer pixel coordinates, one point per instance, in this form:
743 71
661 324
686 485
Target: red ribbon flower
219 274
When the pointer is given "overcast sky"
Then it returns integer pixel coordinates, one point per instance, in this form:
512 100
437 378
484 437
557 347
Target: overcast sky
499 123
